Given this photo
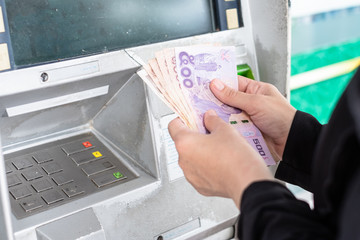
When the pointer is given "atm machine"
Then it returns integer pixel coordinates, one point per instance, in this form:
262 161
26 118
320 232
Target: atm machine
85 152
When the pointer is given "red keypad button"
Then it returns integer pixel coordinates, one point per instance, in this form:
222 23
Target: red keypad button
87 144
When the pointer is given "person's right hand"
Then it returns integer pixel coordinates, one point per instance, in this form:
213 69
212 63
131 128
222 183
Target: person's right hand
265 105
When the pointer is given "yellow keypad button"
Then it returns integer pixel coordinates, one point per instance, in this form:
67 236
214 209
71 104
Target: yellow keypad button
97 154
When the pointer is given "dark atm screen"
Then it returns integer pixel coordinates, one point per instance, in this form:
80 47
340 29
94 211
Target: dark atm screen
52 30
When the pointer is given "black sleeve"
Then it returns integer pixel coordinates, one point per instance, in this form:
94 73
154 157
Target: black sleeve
295 167
270 211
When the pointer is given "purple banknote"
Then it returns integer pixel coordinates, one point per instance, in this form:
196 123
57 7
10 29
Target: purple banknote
196 67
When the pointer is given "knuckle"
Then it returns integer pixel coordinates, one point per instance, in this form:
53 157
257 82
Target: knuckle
230 93
270 88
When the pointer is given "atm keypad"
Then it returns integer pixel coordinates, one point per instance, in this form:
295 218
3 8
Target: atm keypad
56 174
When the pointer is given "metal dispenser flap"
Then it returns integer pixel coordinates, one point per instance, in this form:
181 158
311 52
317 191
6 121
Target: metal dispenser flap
50 110
56 101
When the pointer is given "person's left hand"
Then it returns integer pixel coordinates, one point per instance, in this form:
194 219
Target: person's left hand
221 163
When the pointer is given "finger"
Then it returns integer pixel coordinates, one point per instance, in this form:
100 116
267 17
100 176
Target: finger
175 127
250 86
243 83
212 121
231 96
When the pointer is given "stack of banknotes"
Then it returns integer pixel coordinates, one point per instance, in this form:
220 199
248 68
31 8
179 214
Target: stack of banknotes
181 77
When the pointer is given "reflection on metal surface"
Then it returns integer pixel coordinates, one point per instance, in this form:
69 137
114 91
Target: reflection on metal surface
57 101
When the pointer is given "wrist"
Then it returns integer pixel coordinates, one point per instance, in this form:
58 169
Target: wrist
290 119
243 179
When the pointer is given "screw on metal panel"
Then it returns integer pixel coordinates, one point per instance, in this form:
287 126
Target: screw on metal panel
44 77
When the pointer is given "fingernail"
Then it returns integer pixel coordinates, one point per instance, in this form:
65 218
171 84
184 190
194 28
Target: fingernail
211 112
218 84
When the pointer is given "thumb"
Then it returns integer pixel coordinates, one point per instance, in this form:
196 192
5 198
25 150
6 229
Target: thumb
176 127
212 121
231 96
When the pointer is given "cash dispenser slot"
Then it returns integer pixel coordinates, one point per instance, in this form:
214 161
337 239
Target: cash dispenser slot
56 101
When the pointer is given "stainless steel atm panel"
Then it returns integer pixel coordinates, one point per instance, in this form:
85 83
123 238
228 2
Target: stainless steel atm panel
85 146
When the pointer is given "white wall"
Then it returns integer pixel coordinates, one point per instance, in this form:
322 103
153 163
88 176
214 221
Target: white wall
307 7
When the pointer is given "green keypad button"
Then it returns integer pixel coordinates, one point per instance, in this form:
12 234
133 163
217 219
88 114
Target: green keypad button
118 174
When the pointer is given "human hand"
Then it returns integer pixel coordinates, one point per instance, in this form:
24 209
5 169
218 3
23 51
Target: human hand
265 105
221 163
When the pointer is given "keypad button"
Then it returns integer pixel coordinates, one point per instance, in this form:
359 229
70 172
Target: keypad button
8 167
51 168
23 163
13 180
97 167
42 157
76 147
31 174
52 196
41 185
72 190
87 144
61 179
31 203
106 179
20 192
85 157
